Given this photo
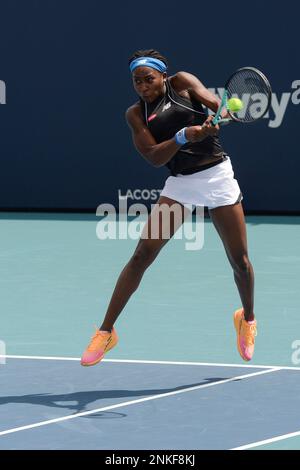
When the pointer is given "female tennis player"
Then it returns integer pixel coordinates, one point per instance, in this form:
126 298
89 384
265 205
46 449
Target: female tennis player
170 127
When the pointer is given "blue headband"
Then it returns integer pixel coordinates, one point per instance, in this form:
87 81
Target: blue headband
148 62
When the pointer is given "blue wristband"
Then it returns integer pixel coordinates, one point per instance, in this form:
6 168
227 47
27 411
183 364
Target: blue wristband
180 137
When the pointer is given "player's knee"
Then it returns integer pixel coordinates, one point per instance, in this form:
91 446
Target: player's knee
242 264
143 256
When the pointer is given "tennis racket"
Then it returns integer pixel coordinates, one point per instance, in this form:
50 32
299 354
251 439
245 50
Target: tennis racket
254 91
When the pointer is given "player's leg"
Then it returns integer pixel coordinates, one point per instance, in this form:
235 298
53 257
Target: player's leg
164 220
160 227
230 224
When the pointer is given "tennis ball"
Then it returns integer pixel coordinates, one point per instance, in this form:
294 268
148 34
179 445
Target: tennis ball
235 104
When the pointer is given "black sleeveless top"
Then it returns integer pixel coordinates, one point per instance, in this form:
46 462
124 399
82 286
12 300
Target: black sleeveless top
170 113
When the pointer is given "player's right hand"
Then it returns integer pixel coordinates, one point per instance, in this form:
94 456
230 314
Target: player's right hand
198 133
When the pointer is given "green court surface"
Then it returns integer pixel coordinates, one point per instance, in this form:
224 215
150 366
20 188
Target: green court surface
56 279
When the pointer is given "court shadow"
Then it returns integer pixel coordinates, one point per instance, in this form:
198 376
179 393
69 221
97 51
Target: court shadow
78 401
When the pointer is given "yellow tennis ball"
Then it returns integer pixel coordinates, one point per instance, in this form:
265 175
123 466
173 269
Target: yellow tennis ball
235 104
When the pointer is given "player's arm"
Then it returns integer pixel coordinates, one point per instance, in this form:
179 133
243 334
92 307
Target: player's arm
159 154
196 89
156 154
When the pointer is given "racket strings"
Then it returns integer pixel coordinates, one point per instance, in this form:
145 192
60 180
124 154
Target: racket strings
253 90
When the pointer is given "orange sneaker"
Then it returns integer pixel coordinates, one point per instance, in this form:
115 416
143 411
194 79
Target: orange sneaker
246 332
100 344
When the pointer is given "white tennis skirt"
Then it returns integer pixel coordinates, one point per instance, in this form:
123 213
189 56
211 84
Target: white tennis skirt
212 188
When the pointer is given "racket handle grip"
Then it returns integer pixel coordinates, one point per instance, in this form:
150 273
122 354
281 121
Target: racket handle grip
220 121
215 120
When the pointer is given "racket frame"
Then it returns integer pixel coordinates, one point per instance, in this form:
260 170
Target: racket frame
224 103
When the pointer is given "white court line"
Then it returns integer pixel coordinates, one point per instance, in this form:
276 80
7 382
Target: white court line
214 364
268 441
50 358
134 402
138 361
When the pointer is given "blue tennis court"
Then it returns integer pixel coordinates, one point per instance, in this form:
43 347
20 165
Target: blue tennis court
55 404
